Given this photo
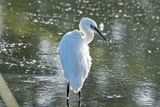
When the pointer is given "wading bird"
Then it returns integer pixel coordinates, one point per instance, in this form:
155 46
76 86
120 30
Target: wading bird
74 54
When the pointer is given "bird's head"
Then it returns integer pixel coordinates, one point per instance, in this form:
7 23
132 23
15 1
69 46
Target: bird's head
87 23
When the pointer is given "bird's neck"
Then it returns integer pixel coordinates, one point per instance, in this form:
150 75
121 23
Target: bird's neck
88 35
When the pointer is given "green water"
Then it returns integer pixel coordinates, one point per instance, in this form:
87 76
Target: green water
125 70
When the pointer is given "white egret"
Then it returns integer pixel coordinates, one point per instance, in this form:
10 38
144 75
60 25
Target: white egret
74 54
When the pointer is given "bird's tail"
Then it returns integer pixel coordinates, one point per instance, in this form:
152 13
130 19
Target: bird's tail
76 85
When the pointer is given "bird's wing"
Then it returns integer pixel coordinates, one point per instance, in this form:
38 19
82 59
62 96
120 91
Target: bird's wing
75 59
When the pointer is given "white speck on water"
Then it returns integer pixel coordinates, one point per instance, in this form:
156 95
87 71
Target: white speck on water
154 30
21 64
138 15
91 14
34 14
4 50
116 16
12 64
42 67
35 20
39 66
20 44
120 3
60 33
109 5
134 29
12 45
80 11
29 81
19 76
39 1
26 71
38 10
9 3
153 39
68 5
157 17
153 17
114 96
137 23
133 1
29 4
101 26
149 51
120 11
138 39
104 33
109 97
125 15
117 96
7 63
33 61
68 9
24 46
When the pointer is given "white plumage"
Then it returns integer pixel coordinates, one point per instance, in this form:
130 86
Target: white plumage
75 58
74 53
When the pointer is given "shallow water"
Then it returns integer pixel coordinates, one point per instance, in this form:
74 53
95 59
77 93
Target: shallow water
125 70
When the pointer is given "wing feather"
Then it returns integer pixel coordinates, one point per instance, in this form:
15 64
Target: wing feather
75 59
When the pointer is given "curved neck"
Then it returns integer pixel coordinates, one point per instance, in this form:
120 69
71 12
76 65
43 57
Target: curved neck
88 35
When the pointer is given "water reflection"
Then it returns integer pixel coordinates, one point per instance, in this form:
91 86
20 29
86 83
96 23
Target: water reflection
118 59
47 92
78 103
118 31
144 94
47 55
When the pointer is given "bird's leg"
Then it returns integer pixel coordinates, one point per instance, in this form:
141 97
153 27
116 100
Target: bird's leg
79 93
79 101
68 90
67 103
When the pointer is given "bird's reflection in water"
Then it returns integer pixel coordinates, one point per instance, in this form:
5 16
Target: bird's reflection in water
79 103
67 103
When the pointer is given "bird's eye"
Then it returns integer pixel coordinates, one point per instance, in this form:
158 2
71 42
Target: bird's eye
92 26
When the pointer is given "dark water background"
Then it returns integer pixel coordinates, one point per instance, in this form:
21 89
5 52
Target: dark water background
125 71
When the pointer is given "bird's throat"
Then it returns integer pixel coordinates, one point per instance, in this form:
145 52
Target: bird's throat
88 36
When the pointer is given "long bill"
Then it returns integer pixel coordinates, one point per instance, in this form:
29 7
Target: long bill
98 31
